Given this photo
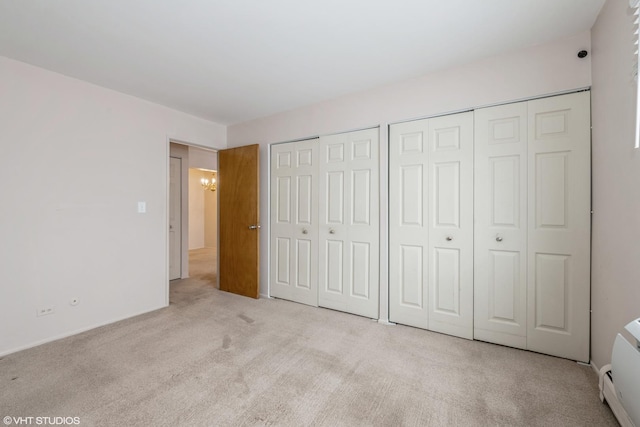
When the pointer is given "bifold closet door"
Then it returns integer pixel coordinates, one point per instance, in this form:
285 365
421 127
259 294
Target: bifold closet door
294 222
431 224
500 237
532 232
559 156
409 223
451 225
348 222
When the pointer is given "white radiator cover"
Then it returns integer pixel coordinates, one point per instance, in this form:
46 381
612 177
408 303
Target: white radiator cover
621 389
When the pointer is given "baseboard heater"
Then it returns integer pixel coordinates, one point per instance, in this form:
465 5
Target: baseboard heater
620 381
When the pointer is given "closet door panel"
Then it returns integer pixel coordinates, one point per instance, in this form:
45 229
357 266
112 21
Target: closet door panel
408 223
334 181
349 222
362 250
559 226
304 268
282 174
282 258
450 242
500 234
294 229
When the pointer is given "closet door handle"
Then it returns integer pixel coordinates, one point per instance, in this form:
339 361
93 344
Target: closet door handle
305 231
449 238
332 231
498 239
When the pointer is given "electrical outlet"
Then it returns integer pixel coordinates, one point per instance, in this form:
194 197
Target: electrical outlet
44 311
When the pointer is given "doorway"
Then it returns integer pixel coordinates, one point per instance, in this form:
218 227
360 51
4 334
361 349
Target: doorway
193 254
203 223
235 267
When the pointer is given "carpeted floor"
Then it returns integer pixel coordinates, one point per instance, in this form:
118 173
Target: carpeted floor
217 359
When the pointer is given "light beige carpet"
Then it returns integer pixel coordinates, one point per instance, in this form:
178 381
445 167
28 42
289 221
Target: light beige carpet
216 359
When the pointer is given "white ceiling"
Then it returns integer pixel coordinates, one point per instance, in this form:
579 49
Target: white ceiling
234 60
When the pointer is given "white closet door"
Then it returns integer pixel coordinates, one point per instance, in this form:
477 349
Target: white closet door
348 233
559 226
431 224
294 222
500 237
451 225
408 223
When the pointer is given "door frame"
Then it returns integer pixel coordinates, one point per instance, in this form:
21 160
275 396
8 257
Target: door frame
184 205
181 227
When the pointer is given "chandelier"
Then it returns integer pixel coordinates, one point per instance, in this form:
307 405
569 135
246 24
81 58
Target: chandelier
209 184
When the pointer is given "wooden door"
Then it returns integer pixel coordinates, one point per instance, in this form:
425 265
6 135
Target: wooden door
348 222
451 225
500 252
239 198
559 231
294 221
175 222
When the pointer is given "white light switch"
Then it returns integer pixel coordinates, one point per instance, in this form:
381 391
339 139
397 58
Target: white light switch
142 207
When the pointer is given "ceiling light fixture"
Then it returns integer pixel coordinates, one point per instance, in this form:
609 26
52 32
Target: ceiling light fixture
209 184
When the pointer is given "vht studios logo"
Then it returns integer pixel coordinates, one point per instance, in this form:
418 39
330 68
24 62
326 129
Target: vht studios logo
41 421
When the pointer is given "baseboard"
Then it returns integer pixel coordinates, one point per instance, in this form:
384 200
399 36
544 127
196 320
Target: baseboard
74 332
608 393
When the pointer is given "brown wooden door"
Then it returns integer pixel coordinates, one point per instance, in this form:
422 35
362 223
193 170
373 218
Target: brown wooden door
239 198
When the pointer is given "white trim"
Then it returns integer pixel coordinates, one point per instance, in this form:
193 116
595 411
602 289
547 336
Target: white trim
167 173
496 104
635 6
268 225
383 223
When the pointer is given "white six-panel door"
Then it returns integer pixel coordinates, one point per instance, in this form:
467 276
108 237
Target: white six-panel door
431 224
348 222
559 156
409 223
532 227
294 221
500 238
451 225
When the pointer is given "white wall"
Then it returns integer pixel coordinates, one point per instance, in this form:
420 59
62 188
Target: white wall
204 159
203 207
538 70
76 159
196 210
615 282
211 219
205 215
